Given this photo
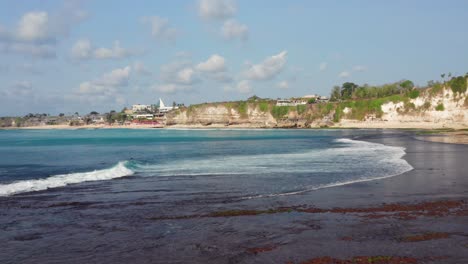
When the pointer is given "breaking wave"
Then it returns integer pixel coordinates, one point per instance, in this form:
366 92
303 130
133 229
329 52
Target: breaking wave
117 171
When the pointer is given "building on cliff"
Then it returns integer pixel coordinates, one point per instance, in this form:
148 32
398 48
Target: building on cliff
163 108
290 102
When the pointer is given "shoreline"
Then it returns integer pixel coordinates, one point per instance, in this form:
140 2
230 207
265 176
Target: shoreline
352 125
429 134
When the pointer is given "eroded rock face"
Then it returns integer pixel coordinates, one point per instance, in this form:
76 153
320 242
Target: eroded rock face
421 112
221 114
443 110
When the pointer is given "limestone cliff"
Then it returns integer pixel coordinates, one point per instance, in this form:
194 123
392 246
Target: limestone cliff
221 114
444 109
430 109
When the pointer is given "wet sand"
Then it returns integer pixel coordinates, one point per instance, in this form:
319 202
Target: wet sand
417 217
456 137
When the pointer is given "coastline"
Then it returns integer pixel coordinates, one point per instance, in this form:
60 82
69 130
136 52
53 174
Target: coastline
345 124
449 135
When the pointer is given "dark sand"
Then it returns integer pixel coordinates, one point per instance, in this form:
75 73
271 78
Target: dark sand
425 220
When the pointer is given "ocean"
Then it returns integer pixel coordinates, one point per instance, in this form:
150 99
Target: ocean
190 164
148 196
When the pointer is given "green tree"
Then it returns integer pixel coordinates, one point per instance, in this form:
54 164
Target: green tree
407 85
253 98
311 101
347 90
458 84
335 94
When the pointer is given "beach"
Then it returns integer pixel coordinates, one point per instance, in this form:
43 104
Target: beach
416 217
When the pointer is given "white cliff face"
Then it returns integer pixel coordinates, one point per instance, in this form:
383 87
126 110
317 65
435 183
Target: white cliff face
454 113
420 112
391 110
221 114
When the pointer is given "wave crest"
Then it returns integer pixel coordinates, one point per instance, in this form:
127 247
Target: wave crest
117 171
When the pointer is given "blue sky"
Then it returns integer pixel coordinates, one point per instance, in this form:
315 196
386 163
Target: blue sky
67 56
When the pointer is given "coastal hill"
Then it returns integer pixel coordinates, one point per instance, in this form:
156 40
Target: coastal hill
397 105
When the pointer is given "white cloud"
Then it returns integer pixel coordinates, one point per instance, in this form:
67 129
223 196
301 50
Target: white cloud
244 87
215 63
185 76
179 72
359 68
216 9
232 30
83 49
283 85
37 33
108 83
33 26
116 52
117 77
323 66
344 74
269 68
214 68
160 28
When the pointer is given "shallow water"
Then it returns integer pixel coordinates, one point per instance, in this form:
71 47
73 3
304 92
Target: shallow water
247 163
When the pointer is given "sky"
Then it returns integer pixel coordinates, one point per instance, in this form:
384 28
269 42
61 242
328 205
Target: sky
83 56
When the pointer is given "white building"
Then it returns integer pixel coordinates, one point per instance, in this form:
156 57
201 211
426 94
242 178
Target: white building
290 102
163 108
323 99
144 116
310 96
140 108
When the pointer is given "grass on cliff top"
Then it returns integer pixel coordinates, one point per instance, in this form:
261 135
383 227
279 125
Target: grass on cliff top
241 107
361 108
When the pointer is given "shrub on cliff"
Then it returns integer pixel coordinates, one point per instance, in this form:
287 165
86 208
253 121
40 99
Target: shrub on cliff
263 106
458 84
279 111
301 109
440 107
242 109
413 94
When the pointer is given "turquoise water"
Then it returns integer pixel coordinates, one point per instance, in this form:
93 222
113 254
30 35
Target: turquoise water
247 163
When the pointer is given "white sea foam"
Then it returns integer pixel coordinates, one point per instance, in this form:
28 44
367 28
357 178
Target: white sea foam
348 162
389 155
386 160
119 170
